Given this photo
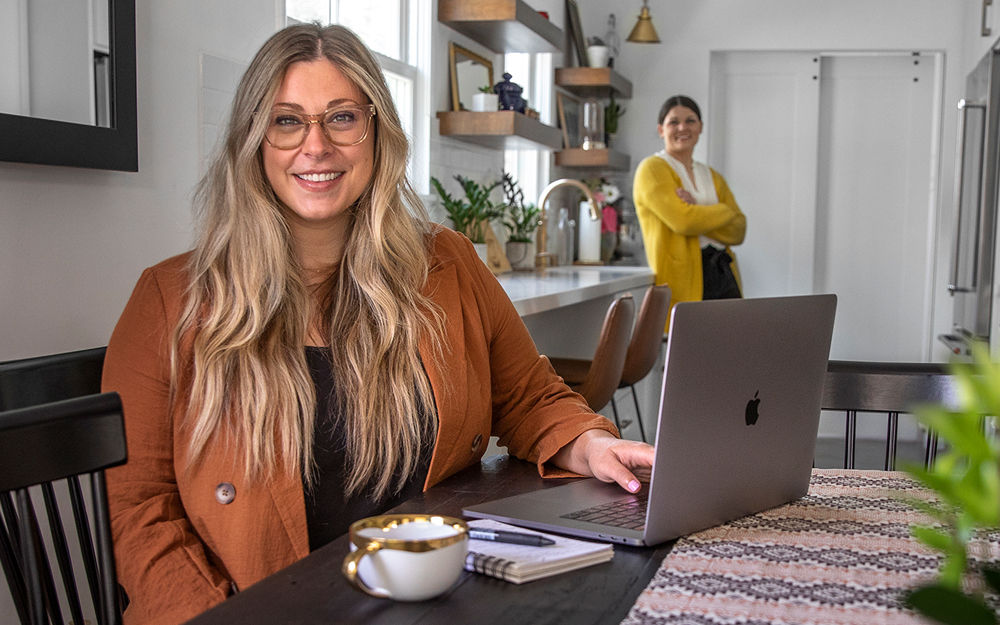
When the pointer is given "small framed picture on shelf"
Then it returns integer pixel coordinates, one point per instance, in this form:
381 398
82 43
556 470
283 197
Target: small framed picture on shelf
577 40
568 109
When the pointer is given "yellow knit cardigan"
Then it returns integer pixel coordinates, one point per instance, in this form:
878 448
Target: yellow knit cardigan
671 227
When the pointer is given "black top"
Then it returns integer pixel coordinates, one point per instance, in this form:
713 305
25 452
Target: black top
329 513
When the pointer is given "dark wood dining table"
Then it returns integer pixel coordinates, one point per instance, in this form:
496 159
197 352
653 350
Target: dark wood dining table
313 590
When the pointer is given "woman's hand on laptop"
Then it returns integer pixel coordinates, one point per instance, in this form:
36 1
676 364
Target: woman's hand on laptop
600 454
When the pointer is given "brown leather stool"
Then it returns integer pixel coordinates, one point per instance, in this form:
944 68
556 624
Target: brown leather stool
598 379
644 348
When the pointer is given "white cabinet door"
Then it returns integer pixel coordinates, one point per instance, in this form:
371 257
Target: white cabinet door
875 201
837 177
762 137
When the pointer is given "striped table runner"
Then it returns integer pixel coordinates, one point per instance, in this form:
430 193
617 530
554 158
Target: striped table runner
842 554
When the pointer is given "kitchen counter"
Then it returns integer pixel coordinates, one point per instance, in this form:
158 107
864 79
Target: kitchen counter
536 292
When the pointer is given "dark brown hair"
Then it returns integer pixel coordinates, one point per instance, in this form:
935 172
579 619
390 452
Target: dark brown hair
678 100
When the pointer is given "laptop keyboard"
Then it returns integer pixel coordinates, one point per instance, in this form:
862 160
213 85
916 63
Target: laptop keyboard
629 514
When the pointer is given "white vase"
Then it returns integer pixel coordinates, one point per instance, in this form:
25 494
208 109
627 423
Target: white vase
520 255
597 56
483 102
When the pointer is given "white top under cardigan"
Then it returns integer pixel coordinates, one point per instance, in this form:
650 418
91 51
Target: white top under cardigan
702 189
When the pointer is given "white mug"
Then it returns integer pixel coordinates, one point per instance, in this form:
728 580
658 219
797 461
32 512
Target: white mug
407 557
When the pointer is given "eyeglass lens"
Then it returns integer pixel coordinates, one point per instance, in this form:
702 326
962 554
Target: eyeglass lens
287 129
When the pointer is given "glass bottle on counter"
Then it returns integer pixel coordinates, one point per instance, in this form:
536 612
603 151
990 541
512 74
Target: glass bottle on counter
563 240
571 242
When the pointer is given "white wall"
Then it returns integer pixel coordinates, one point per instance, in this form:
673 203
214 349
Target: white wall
691 30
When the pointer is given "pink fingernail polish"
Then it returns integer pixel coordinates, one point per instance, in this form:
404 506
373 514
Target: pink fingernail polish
633 485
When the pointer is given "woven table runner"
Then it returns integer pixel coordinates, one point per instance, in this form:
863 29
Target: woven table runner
842 554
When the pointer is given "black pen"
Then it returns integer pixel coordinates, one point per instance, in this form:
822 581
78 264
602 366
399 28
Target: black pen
516 538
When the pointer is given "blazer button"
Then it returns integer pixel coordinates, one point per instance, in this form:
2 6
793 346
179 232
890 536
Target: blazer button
225 493
476 442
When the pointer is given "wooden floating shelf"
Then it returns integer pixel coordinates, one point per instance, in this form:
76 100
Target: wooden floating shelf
593 82
502 25
596 159
500 130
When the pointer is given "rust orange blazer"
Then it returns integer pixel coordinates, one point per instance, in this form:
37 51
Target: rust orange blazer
180 551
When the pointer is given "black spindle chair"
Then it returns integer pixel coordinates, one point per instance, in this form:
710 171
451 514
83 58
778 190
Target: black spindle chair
890 388
54 425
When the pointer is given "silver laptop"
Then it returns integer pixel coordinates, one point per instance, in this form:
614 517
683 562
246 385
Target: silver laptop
739 412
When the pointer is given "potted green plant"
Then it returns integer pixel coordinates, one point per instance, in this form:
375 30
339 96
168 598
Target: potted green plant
485 100
521 220
612 113
966 480
473 213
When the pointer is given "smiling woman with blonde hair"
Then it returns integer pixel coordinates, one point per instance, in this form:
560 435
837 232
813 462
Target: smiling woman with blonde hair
324 352
261 291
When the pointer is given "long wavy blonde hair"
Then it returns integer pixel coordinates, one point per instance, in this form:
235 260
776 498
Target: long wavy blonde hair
248 309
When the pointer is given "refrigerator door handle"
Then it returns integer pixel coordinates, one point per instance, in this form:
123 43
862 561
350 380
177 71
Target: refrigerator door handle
963 107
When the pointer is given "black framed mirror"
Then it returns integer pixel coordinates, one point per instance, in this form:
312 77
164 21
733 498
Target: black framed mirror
110 142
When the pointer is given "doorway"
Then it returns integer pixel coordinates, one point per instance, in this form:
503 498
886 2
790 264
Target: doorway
834 157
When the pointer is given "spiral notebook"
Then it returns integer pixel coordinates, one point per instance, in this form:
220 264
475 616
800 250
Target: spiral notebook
522 563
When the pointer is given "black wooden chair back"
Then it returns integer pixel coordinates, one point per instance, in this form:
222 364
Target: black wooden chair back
56 428
891 388
45 379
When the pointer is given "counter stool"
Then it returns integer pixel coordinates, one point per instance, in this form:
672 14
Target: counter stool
598 379
644 348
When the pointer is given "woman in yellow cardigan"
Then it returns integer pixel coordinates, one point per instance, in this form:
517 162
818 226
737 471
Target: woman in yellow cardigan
688 215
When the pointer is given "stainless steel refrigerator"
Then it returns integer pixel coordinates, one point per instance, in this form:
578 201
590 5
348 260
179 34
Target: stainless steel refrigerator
978 156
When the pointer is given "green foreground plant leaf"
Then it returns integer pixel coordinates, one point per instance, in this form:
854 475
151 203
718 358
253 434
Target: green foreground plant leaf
950 606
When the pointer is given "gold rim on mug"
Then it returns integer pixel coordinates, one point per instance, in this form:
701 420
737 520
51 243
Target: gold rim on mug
389 521
370 544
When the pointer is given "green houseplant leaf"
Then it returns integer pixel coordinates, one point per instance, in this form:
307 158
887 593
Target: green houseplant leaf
611 115
966 479
482 210
472 214
520 219
458 210
950 606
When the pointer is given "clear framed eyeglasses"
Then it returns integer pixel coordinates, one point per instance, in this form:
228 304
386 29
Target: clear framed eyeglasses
342 125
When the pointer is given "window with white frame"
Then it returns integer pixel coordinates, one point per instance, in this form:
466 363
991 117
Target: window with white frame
398 32
381 24
534 72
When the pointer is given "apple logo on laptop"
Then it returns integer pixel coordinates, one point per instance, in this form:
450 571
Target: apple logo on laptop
752 409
